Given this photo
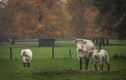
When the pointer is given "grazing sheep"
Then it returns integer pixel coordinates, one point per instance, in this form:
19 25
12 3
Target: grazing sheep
84 50
26 55
99 58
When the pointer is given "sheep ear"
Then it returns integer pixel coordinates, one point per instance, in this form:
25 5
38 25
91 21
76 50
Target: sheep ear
75 41
24 52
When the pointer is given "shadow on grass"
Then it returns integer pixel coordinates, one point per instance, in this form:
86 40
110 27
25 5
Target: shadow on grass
116 44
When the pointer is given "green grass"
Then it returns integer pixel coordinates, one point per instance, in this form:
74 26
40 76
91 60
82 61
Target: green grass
58 69
61 68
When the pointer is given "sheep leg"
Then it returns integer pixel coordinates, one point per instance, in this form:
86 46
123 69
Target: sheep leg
80 63
28 64
24 64
86 63
95 67
108 66
102 66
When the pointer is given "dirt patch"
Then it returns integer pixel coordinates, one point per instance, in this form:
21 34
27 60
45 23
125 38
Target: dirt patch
78 72
119 56
58 73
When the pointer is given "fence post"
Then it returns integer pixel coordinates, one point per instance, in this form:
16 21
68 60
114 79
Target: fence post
107 41
70 53
100 43
11 53
53 55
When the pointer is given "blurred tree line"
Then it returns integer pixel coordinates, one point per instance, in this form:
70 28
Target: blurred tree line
63 19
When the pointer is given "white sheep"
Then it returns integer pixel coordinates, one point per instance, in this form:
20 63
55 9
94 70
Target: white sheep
84 50
26 55
99 58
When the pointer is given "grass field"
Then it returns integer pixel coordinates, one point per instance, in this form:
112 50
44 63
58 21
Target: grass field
62 67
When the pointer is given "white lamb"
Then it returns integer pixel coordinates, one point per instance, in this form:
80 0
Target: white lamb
26 55
99 58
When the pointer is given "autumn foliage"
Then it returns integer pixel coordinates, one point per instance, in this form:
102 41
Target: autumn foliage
54 19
